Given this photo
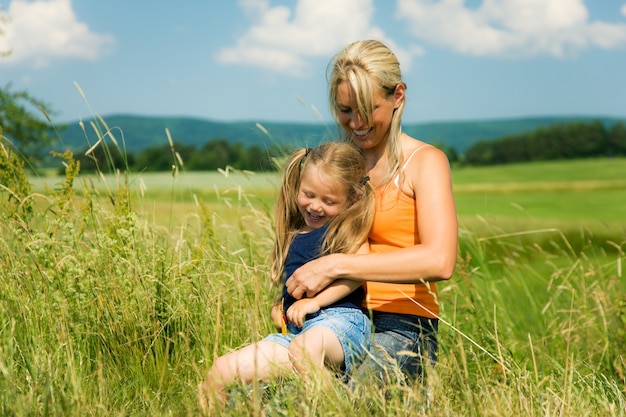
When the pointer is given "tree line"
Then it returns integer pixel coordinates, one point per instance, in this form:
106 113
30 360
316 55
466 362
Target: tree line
214 154
561 141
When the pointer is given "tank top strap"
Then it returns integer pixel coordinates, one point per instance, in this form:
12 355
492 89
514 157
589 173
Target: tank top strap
406 163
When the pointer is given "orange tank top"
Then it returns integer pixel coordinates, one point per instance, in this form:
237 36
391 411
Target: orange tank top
395 227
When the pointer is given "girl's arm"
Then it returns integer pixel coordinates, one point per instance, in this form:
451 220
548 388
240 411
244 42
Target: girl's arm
432 259
276 313
332 293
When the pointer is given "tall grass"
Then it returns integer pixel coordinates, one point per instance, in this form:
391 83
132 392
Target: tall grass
107 311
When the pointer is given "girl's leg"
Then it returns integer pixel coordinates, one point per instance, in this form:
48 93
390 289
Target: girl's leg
318 346
258 361
338 338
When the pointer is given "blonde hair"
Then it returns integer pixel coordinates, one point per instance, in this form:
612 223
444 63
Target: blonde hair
337 162
368 66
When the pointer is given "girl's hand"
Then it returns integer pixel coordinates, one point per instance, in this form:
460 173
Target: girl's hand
312 277
298 310
277 315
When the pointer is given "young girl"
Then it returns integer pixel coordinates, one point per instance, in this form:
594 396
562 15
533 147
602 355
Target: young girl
325 205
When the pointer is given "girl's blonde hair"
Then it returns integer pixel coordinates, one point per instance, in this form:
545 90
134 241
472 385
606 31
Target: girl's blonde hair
337 162
368 66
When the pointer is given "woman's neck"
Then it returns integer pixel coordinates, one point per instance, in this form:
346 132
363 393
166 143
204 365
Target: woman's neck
376 164
377 159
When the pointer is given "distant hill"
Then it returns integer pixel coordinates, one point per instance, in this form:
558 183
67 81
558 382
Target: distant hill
141 132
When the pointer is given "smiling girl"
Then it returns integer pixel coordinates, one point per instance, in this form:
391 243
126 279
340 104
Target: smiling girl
325 205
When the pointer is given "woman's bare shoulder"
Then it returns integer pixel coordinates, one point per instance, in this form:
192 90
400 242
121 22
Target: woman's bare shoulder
417 152
424 161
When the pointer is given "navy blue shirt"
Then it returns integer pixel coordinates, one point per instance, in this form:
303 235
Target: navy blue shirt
304 248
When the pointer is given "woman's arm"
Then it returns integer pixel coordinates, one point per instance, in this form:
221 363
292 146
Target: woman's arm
432 259
332 293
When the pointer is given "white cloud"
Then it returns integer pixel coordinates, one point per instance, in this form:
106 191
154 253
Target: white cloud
282 39
36 32
510 28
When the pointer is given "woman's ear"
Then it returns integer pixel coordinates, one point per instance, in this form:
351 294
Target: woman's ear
398 95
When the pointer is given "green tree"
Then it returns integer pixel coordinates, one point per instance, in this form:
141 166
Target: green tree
559 141
160 158
27 132
102 159
256 159
216 153
617 140
480 153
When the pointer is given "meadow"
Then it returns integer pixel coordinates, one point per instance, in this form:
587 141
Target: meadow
118 291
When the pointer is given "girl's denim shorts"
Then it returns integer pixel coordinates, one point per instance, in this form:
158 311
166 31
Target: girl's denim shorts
350 325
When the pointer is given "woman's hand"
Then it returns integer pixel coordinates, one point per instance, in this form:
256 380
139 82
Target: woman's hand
312 277
298 310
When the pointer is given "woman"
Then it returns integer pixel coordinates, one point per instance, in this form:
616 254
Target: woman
413 241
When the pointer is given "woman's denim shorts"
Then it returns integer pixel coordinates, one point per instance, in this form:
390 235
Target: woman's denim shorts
350 325
403 342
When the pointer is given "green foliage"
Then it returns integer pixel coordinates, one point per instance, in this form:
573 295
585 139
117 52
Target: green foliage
27 132
617 140
562 141
93 161
13 182
214 154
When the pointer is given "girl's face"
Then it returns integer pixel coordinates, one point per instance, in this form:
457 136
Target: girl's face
319 199
367 136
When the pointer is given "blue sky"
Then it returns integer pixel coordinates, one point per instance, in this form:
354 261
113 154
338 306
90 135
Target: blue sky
262 60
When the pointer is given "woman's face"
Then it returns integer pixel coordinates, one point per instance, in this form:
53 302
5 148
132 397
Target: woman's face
367 136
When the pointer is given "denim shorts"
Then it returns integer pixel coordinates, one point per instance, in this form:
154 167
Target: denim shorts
401 342
350 325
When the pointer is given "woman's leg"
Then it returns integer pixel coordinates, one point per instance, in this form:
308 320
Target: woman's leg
258 361
403 347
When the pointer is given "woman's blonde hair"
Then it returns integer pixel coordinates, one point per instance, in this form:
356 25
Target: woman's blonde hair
368 66
339 163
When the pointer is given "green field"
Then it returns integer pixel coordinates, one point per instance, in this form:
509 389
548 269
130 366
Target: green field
564 193
116 295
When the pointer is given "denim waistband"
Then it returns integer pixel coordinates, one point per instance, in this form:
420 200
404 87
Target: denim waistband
335 309
409 322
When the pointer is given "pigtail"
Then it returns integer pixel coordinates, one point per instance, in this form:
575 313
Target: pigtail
287 218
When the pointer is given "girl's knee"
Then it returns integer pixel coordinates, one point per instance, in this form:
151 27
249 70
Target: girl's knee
297 353
319 346
221 371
